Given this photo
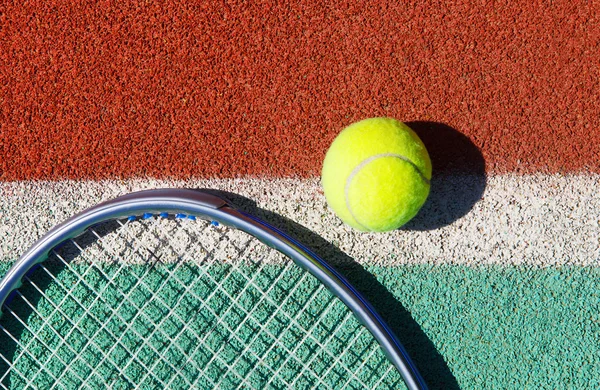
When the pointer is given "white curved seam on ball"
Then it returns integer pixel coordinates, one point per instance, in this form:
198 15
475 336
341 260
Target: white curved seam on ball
361 166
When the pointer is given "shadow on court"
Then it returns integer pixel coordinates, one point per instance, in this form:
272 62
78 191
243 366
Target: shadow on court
458 179
20 310
423 352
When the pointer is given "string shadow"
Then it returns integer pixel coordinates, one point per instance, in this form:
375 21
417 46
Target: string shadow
14 317
429 361
458 179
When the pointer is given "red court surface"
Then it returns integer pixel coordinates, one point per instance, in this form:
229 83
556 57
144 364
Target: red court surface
226 89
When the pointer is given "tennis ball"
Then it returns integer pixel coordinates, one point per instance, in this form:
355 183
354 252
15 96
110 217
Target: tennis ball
376 174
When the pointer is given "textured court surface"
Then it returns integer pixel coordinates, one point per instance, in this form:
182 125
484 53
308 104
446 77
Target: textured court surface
176 88
488 327
494 284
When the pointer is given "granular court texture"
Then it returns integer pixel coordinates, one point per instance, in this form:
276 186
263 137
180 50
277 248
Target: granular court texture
492 285
100 89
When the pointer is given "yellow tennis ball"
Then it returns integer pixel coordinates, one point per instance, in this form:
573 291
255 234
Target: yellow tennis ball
376 174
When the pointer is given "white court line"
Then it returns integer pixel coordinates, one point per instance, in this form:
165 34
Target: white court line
543 220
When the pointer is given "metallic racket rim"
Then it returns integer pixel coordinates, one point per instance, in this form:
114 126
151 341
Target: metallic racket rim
204 205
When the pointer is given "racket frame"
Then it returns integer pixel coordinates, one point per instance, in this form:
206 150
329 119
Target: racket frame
210 207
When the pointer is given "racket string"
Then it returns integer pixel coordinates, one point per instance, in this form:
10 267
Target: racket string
177 303
206 260
45 325
140 309
106 249
34 358
98 295
156 257
250 282
291 321
88 340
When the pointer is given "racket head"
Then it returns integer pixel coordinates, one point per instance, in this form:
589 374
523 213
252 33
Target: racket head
172 208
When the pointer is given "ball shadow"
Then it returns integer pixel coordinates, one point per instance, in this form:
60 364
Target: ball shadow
458 179
429 361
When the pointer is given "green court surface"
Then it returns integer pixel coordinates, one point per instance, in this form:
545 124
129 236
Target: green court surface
484 327
498 327
171 326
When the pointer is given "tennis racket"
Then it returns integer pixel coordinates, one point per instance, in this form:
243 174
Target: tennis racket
176 288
